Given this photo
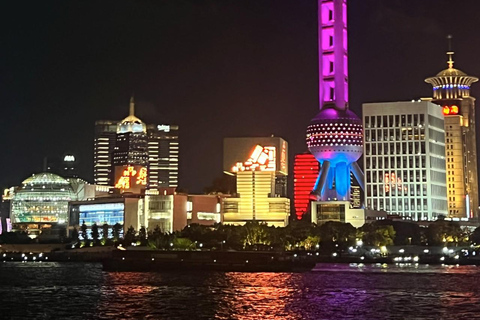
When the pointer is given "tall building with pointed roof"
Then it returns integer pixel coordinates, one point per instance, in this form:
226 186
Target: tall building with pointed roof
155 147
451 90
131 145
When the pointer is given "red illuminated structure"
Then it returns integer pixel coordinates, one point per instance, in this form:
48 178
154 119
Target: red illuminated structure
305 173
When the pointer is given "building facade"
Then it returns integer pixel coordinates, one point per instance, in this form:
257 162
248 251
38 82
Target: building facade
404 159
260 166
103 147
163 154
451 90
154 149
236 152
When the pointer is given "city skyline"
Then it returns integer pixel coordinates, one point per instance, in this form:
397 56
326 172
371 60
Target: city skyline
62 81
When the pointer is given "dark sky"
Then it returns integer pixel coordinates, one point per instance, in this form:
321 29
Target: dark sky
217 68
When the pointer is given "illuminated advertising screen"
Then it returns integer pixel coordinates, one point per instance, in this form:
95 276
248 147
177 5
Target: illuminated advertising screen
131 178
255 154
101 213
451 110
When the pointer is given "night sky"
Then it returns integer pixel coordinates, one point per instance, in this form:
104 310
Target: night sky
217 68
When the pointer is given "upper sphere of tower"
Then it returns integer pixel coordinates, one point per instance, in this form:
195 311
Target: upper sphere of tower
336 136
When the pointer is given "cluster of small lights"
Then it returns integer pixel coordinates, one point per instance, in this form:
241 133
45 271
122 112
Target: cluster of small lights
451 86
334 134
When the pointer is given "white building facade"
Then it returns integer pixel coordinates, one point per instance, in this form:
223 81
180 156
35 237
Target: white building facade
404 159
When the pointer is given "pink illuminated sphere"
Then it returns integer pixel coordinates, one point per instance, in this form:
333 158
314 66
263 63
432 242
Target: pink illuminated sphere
336 136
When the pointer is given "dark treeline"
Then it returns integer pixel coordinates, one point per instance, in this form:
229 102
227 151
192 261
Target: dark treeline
298 235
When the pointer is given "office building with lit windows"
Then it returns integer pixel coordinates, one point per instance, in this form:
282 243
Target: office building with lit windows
451 90
103 146
151 150
163 154
404 159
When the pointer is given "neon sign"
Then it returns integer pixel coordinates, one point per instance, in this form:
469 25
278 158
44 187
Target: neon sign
450 110
132 176
261 159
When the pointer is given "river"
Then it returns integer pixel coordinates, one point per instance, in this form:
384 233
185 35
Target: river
83 291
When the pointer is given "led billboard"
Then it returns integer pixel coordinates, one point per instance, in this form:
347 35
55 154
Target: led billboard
255 154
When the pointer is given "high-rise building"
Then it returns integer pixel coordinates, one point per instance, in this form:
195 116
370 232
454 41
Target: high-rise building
305 173
130 155
130 141
451 90
404 159
104 144
163 152
257 163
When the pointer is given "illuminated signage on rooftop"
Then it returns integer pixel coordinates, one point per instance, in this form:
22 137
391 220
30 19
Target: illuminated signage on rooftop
163 127
450 110
69 158
261 159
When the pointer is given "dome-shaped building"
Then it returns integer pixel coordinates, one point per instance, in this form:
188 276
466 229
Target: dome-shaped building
42 198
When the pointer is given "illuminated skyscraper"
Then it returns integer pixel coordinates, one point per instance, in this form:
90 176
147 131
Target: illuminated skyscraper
104 144
451 90
130 141
404 159
163 153
130 155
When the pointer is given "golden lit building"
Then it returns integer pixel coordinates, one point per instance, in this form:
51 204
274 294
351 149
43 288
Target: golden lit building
259 179
451 90
130 155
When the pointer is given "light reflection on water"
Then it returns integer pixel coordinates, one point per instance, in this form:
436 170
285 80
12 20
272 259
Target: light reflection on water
84 291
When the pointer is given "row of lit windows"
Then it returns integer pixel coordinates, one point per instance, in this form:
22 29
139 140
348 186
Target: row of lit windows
403 148
395 134
398 204
394 190
386 162
400 176
394 121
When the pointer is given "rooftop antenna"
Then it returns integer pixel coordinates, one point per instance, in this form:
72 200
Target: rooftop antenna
132 105
450 52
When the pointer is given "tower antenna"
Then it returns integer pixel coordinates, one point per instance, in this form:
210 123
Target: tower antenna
450 52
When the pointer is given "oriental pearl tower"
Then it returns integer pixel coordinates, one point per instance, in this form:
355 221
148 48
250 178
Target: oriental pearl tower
335 134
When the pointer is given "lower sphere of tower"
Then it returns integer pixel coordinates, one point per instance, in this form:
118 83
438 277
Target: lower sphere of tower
335 136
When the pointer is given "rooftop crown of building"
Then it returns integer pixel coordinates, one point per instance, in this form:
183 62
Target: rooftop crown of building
451 83
131 123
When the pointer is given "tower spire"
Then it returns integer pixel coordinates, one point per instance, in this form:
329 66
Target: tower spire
132 106
450 52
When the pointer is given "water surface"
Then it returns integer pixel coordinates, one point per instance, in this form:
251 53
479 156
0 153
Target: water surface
83 291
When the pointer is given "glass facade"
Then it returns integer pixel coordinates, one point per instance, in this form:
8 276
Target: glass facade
104 213
43 198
